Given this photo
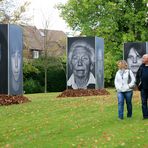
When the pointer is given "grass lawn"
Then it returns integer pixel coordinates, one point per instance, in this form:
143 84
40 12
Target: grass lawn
90 122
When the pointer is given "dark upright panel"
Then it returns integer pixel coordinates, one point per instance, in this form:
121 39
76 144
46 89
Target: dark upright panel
133 53
146 47
99 69
15 60
81 62
3 59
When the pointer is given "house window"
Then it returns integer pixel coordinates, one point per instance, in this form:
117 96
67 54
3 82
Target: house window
35 54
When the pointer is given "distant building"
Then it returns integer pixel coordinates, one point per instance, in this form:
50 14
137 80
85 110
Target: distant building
38 40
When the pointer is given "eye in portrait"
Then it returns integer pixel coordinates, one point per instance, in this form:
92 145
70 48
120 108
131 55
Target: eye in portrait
81 62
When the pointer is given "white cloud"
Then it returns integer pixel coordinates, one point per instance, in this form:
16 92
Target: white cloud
44 12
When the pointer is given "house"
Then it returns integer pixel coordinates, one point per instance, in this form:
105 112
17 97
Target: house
54 42
37 41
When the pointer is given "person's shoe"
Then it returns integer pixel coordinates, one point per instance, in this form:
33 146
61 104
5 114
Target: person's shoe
129 117
120 118
144 118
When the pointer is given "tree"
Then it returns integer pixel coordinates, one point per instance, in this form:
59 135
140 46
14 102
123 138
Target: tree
48 45
117 21
10 12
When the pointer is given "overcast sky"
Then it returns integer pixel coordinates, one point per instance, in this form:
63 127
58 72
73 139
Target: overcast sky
43 11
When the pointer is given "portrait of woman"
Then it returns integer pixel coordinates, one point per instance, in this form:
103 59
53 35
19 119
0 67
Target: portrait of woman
15 60
81 56
133 53
16 63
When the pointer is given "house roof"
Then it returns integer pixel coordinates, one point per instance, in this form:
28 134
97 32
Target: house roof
35 39
32 38
53 35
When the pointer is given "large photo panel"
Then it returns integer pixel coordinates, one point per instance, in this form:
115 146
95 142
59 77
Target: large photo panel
99 66
81 63
133 52
15 60
3 58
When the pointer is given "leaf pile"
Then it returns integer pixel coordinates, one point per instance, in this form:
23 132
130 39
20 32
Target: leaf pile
83 92
9 100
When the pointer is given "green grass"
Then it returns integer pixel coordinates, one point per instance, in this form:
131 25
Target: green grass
89 122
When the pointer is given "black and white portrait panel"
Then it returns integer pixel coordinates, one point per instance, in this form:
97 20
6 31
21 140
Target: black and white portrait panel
133 53
15 59
81 63
99 69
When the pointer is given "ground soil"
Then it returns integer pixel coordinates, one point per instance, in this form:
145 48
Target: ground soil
83 92
9 100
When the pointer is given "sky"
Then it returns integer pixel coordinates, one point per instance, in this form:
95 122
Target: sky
43 12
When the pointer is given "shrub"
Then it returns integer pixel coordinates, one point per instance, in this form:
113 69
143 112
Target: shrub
34 74
32 86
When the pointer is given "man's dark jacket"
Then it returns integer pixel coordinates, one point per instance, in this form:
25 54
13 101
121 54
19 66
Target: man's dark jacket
138 76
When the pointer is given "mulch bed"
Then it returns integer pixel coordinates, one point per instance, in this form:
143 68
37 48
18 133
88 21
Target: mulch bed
83 92
9 100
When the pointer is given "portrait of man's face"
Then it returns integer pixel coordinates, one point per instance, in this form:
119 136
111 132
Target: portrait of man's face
81 62
16 64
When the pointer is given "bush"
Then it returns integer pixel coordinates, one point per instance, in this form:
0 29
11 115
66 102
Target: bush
29 71
32 86
56 79
34 75
109 69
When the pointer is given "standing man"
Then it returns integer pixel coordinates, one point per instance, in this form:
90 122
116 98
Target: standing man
142 83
